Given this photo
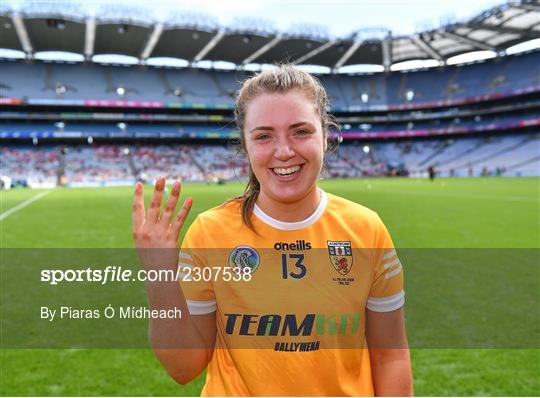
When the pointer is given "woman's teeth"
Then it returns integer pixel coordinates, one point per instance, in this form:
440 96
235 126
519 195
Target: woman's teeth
287 171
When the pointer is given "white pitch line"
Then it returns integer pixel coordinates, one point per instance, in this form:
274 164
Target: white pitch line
22 205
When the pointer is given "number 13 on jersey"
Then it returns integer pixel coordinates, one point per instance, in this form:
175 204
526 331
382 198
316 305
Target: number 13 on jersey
294 261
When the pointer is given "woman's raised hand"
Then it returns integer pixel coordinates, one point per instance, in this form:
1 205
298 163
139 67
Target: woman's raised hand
156 230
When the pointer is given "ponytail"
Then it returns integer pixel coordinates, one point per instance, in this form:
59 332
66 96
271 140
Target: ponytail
249 198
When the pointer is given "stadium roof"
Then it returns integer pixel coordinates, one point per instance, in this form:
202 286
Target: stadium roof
195 38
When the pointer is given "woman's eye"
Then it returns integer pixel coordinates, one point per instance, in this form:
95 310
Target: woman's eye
302 132
262 137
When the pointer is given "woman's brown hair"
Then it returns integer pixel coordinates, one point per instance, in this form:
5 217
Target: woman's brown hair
281 79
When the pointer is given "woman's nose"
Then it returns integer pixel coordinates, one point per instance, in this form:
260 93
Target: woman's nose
283 150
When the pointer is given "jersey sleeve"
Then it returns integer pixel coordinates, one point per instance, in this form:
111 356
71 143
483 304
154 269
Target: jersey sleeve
386 292
199 294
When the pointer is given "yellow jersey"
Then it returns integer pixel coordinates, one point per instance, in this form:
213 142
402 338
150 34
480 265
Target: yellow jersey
290 298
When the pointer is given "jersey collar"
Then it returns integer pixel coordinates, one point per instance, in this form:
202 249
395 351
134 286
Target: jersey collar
291 226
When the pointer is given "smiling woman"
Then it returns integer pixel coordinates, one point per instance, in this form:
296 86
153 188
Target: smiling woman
284 127
317 306
286 153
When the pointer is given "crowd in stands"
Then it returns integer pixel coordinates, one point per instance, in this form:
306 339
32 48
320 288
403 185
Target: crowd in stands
221 163
507 155
353 160
27 166
94 164
171 161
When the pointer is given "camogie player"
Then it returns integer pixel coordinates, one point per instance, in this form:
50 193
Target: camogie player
309 297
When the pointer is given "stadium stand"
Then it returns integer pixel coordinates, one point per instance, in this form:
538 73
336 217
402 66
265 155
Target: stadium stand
39 80
221 163
90 165
97 124
497 156
93 165
509 155
173 162
27 166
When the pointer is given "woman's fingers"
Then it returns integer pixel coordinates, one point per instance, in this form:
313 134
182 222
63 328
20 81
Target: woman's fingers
170 206
152 222
137 213
155 205
181 216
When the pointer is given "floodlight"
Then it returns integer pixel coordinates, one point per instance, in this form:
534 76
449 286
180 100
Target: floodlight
409 95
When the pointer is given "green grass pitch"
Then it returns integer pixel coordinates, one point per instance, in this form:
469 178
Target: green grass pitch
447 213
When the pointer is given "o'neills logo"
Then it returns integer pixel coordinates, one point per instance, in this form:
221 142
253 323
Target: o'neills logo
298 245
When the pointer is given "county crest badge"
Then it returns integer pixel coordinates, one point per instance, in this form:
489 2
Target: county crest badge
244 257
341 257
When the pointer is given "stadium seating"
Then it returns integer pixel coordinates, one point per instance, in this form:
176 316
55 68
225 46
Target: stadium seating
350 160
511 155
173 162
139 129
220 163
87 164
30 166
506 155
39 80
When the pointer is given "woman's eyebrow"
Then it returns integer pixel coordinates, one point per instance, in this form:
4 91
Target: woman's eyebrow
266 128
269 128
292 126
